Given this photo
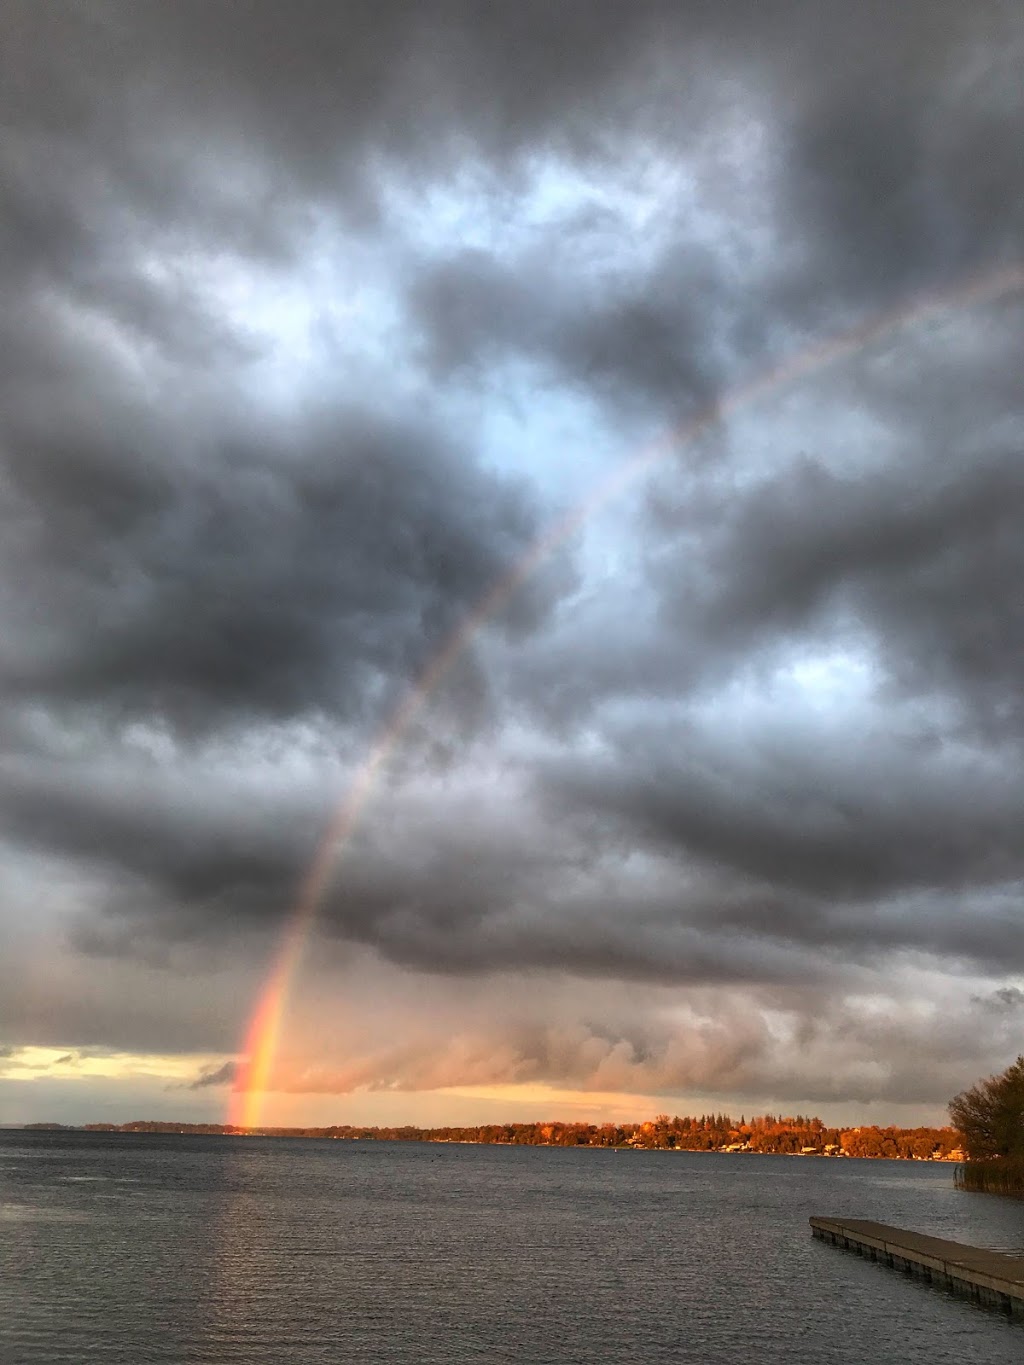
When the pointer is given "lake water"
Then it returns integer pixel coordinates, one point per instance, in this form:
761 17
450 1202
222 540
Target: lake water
134 1249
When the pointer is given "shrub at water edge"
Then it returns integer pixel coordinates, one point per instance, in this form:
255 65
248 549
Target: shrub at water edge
990 1119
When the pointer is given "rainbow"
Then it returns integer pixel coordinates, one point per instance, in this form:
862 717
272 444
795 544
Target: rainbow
263 1035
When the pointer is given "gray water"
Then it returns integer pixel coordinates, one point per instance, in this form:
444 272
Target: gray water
136 1248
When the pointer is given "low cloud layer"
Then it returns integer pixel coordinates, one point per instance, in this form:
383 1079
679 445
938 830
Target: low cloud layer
322 325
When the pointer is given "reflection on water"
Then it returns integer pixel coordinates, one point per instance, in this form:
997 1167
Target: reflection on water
25 1213
140 1248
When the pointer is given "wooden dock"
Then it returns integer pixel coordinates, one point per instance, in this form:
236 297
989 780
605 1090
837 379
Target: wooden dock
988 1277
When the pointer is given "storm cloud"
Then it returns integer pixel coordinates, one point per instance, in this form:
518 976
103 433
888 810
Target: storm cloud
640 383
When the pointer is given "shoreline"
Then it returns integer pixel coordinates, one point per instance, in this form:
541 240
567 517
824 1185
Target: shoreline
530 1137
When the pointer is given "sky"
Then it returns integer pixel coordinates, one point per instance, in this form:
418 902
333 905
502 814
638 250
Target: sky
696 326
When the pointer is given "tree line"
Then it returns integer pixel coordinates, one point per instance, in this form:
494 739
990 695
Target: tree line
768 1133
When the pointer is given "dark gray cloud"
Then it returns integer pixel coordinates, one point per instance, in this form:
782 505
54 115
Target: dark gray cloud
629 341
833 168
274 573
272 285
924 556
219 1075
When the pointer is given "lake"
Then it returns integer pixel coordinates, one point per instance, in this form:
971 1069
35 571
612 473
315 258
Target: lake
121 1248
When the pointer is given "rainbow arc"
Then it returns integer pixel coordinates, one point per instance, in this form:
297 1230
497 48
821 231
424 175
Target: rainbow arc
263 1035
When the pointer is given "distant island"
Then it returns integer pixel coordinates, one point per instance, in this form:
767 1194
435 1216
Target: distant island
767 1133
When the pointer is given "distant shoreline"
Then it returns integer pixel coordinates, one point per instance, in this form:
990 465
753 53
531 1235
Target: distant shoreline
765 1136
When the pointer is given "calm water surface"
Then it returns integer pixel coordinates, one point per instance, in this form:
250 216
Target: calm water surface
136 1249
